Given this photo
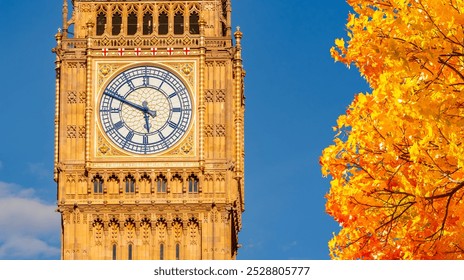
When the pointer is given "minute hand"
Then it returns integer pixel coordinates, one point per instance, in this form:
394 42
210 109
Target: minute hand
115 96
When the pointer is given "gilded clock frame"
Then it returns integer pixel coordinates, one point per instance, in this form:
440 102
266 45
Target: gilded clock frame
102 147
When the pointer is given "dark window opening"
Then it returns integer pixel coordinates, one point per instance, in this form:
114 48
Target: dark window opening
132 24
192 184
163 23
117 22
161 184
147 24
161 251
193 22
129 253
177 251
114 252
97 184
130 184
179 23
101 23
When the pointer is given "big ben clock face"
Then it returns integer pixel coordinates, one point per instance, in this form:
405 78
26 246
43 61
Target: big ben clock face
145 110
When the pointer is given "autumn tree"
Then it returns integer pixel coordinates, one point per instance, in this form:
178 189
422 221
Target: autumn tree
396 165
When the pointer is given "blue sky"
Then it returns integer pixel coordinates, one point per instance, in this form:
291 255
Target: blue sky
294 94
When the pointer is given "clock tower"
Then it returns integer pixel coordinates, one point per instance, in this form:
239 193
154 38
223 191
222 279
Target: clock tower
149 130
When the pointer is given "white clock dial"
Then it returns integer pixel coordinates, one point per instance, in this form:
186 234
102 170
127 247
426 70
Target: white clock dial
145 110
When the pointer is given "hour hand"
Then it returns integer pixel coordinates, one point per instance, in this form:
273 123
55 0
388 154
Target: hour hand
146 110
147 122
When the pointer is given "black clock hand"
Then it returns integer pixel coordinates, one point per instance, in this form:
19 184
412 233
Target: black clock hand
138 107
147 123
146 110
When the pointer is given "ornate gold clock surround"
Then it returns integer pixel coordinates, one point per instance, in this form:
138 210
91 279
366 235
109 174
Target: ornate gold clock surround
106 70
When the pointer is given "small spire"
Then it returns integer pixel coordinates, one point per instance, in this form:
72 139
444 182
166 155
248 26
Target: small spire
238 37
238 34
65 16
59 35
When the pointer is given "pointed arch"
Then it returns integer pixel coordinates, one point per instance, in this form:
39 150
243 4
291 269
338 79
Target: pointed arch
113 226
130 227
148 20
161 183
194 19
176 183
113 184
161 229
97 184
132 23
98 228
147 23
179 22
193 183
116 21
163 20
101 20
194 227
145 224
177 230
145 184
130 184
101 23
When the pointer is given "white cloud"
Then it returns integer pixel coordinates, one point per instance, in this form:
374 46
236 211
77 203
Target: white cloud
29 228
28 248
39 170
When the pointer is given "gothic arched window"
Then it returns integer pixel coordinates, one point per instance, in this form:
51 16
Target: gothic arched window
161 183
147 24
132 24
130 184
101 23
117 22
192 184
178 23
163 23
193 23
97 184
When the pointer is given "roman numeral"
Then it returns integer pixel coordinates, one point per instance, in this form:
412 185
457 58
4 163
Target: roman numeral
146 80
173 124
129 82
118 125
129 136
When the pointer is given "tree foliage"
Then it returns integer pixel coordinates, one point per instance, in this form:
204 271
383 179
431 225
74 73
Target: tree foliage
397 161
